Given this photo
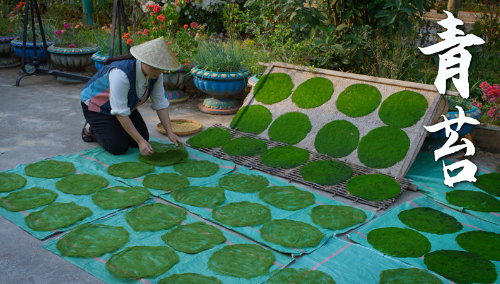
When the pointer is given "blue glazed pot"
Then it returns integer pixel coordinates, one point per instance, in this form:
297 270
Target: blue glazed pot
99 60
464 130
30 49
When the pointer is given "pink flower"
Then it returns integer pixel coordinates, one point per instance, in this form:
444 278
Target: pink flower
187 1
155 28
479 105
194 25
169 43
157 8
72 45
162 26
67 26
146 31
58 32
484 85
491 113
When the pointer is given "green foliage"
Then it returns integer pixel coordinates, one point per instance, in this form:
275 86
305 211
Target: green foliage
220 57
454 101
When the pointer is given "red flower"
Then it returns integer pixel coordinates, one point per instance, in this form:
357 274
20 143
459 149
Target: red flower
151 13
155 28
194 25
139 32
187 1
169 43
156 8
162 26
186 26
146 31
161 18
10 30
176 3
72 45
126 35
484 85
129 41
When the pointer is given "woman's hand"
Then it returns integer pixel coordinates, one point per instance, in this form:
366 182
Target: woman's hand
145 148
174 138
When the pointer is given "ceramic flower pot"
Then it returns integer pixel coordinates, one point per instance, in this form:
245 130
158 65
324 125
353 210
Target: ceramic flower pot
6 52
72 60
171 83
99 60
30 52
220 86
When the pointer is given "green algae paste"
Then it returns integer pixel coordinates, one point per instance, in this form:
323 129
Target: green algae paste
374 187
337 139
155 217
245 146
241 260
243 183
473 200
27 199
82 184
489 183
241 214
120 197
461 266
49 169
11 181
91 240
200 196
287 197
210 138
403 109
291 233
189 278
313 93
273 88
383 147
57 215
358 100
486 244
195 168
290 128
165 181
130 169
142 261
285 157
326 172
252 119
399 242
409 276
300 276
430 220
337 217
164 154
194 238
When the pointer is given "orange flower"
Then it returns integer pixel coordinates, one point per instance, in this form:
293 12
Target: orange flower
126 35
129 41
186 26
139 32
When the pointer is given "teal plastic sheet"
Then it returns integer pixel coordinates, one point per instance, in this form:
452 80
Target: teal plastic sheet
188 263
428 175
348 263
99 160
438 242
276 213
83 200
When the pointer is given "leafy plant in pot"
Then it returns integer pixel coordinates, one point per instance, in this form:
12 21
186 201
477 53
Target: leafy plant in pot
8 25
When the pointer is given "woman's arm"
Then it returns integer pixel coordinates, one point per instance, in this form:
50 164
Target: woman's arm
129 127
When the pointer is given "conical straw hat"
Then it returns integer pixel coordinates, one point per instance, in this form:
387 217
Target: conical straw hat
156 53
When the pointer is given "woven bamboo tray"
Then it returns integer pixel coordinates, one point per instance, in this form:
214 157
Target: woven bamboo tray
182 127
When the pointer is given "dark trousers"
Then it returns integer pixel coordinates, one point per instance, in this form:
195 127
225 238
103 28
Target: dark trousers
109 133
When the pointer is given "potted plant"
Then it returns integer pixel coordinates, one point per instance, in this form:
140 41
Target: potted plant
8 25
103 39
220 74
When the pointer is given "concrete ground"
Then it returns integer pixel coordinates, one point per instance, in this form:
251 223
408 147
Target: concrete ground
42 118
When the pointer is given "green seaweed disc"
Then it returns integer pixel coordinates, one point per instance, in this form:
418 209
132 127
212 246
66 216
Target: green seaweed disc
27 199
285 157
189 278
337 139
430 220
142 261
300 276
241 260
155 217
200 196
403 109
273 88
473 200
489 183
195 168
130 169
358 100
11 181
243 183
313 93
210 138
326 172
82 184
91 240
486 244
240 214
399 242
374 187
245 146
290 233
194 238
461 266
287 197
408 276
49 169
383 147
57 215
120 197
252 119
337 217
164 154
165 181
290 128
